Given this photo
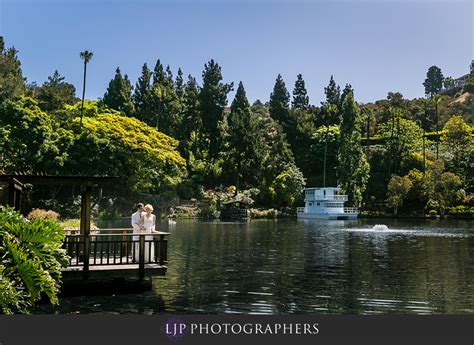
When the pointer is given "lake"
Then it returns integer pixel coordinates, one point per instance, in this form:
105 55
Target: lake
310 266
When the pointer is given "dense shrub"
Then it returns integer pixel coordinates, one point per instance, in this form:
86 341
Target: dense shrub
31 261
263 214
38 213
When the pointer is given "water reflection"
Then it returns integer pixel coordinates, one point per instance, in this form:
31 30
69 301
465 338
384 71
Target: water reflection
271 267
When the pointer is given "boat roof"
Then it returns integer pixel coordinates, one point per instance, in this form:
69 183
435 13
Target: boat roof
322 188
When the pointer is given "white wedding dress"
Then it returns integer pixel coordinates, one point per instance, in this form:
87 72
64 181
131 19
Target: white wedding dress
149 224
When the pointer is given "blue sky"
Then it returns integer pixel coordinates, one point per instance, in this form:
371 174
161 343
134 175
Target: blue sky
377 46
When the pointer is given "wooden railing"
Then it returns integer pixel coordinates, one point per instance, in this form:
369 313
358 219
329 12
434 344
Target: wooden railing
110 247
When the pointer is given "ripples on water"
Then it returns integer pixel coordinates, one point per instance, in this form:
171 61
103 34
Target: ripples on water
337 267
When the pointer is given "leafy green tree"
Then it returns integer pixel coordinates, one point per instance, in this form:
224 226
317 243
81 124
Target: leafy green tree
244 140
212 100
397 191
55 93
434 81
86 56
119 94
33 141
142 95
143 158
12 82
353 170
300 95
288 186
401 137
323 152
443 188
448 82
279 102
459 144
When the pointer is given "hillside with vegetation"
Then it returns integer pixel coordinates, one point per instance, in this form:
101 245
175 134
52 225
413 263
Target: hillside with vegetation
169 138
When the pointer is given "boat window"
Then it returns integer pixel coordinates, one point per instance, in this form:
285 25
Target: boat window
310 204
317 204
324 192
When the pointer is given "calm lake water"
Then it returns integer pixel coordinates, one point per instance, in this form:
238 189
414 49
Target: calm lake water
290 266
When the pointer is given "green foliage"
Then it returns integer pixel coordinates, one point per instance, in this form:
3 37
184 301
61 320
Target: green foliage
212 100
12 82
55 93
353 170
324 139
397 190
401 137
119 94
32 259
244 138
300 95
263 214
144 157
142 94
279 101
33 141
288 186
443 188
434 80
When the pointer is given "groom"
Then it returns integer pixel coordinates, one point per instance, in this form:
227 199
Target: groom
137 221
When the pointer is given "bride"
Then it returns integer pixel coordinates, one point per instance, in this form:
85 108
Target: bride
149 222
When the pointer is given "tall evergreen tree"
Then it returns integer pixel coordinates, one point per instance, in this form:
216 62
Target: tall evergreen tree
191 124
165 107
353 170
119 94
142 95
12 82
244 140
55 93
434 80
159 75
333 96
169 76
179 83
348 88
279 102
333 93
213 99
300 95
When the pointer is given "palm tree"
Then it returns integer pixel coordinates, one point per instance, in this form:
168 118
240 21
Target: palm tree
86 56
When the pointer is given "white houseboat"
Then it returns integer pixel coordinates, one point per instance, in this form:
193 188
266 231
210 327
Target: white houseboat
326 203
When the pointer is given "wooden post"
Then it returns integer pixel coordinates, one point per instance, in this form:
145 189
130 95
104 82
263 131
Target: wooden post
85 226
14 194
141 257
163 250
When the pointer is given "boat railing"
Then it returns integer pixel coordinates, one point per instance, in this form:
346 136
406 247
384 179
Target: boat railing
328 197
351 210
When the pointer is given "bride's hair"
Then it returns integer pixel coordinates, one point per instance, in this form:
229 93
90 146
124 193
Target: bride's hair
149 207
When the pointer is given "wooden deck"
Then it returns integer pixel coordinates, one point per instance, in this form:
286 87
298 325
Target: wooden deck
109 254
97 272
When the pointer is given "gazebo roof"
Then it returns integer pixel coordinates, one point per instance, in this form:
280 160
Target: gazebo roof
56 179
